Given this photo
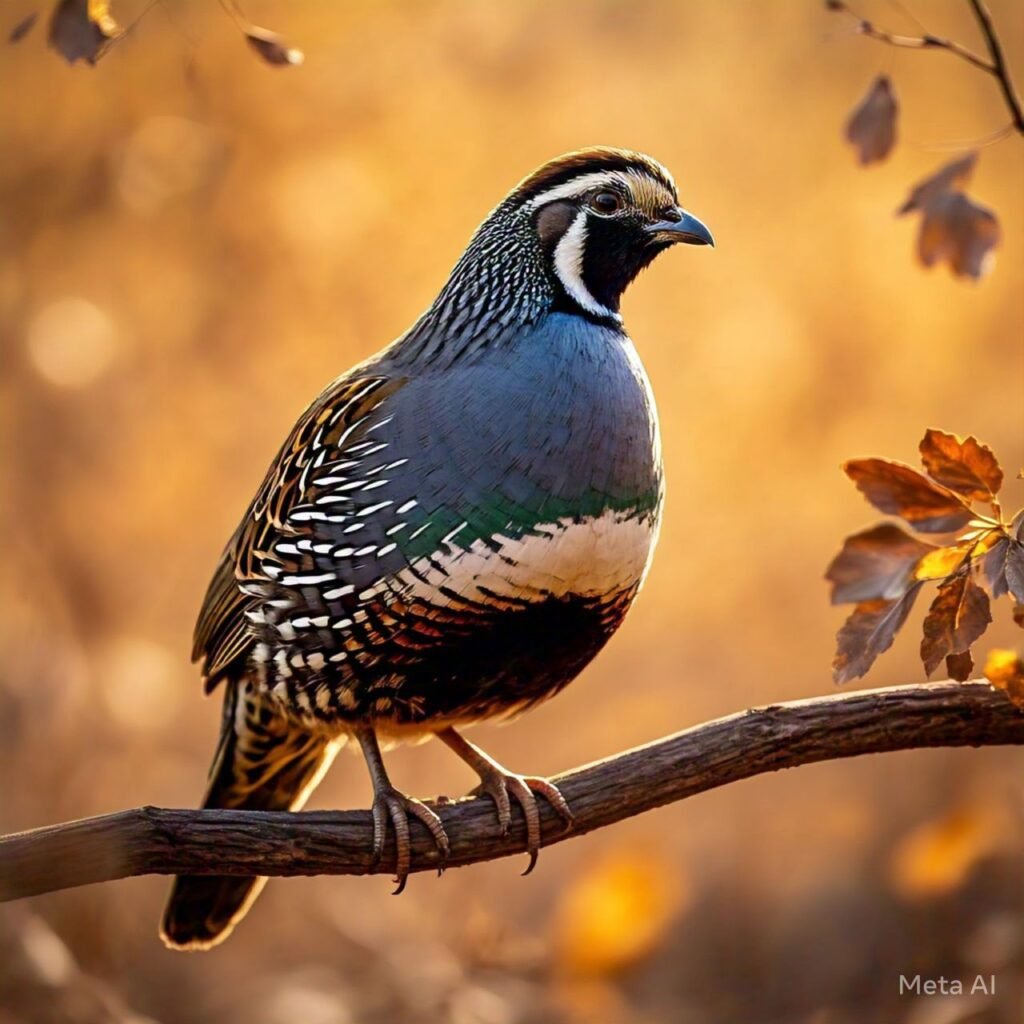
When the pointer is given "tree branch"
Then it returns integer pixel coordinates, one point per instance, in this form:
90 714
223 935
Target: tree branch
999 68
150 840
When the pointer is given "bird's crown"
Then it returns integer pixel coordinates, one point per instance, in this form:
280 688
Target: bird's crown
574 174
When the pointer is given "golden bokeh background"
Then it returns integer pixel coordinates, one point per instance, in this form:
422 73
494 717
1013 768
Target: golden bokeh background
192 243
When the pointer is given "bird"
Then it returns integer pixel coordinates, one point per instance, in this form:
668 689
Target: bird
453 528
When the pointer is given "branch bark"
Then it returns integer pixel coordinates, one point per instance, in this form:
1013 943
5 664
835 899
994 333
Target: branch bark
151 840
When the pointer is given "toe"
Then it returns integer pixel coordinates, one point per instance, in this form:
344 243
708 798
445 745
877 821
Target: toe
497 788
526 800
435 827
380 825
403 853
553 795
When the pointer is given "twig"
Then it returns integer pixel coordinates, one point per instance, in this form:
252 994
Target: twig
150 840
926 41
995 66
999 68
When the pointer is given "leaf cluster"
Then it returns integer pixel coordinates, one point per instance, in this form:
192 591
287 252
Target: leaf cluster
85 29
954 229
881 571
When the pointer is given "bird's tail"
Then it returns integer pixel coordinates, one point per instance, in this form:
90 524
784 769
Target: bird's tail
263 762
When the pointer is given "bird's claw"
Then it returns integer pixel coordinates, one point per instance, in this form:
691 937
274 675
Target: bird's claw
390 804
500 786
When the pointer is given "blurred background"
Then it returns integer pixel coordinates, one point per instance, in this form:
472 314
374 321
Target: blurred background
192 243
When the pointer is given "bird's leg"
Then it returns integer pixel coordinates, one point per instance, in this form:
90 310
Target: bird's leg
388 802
501 784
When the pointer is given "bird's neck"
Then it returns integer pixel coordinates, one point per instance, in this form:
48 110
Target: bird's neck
499 287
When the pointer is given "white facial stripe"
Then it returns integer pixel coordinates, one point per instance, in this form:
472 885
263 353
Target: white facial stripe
569 267
577 187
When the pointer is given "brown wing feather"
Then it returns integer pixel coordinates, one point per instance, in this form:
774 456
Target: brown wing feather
222 637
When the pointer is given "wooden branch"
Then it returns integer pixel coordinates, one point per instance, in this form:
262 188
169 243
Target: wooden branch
151 840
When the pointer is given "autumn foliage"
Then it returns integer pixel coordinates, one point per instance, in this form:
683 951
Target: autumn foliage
883 570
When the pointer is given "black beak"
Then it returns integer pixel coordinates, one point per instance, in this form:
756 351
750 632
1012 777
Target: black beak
680 226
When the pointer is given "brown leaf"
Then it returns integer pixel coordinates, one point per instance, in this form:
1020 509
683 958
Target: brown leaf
958 616
1018 615
993 565
956 230
1015 570
877 563
1005 671
960 666
869 632
945 179
968 467
871 128
23 28
82 29
272 48
900 490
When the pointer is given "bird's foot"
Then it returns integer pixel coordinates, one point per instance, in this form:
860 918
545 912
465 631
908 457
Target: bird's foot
390 804
502 785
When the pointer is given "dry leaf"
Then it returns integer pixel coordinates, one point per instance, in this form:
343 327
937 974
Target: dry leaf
942 562
1014 570
871 128
1005 671
956 230
967 467
869 632
877 563
82 29
945 179
960 666
900 490
23 28
958 616
993 565
272 48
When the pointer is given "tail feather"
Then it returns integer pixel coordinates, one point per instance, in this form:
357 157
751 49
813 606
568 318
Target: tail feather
263 762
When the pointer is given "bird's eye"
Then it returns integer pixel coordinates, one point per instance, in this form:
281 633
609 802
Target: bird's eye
606 203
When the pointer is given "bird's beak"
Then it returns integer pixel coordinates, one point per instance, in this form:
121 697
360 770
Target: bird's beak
680 226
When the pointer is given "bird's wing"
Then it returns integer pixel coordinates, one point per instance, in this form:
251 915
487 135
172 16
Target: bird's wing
337 419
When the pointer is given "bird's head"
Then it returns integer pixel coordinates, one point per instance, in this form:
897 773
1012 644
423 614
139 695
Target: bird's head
600 216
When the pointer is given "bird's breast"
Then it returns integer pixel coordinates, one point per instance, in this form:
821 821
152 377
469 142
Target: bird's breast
544 475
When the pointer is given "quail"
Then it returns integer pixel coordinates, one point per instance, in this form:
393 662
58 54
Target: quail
453 528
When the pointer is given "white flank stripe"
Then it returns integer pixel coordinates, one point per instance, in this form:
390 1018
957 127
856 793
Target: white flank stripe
293 581
600 556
